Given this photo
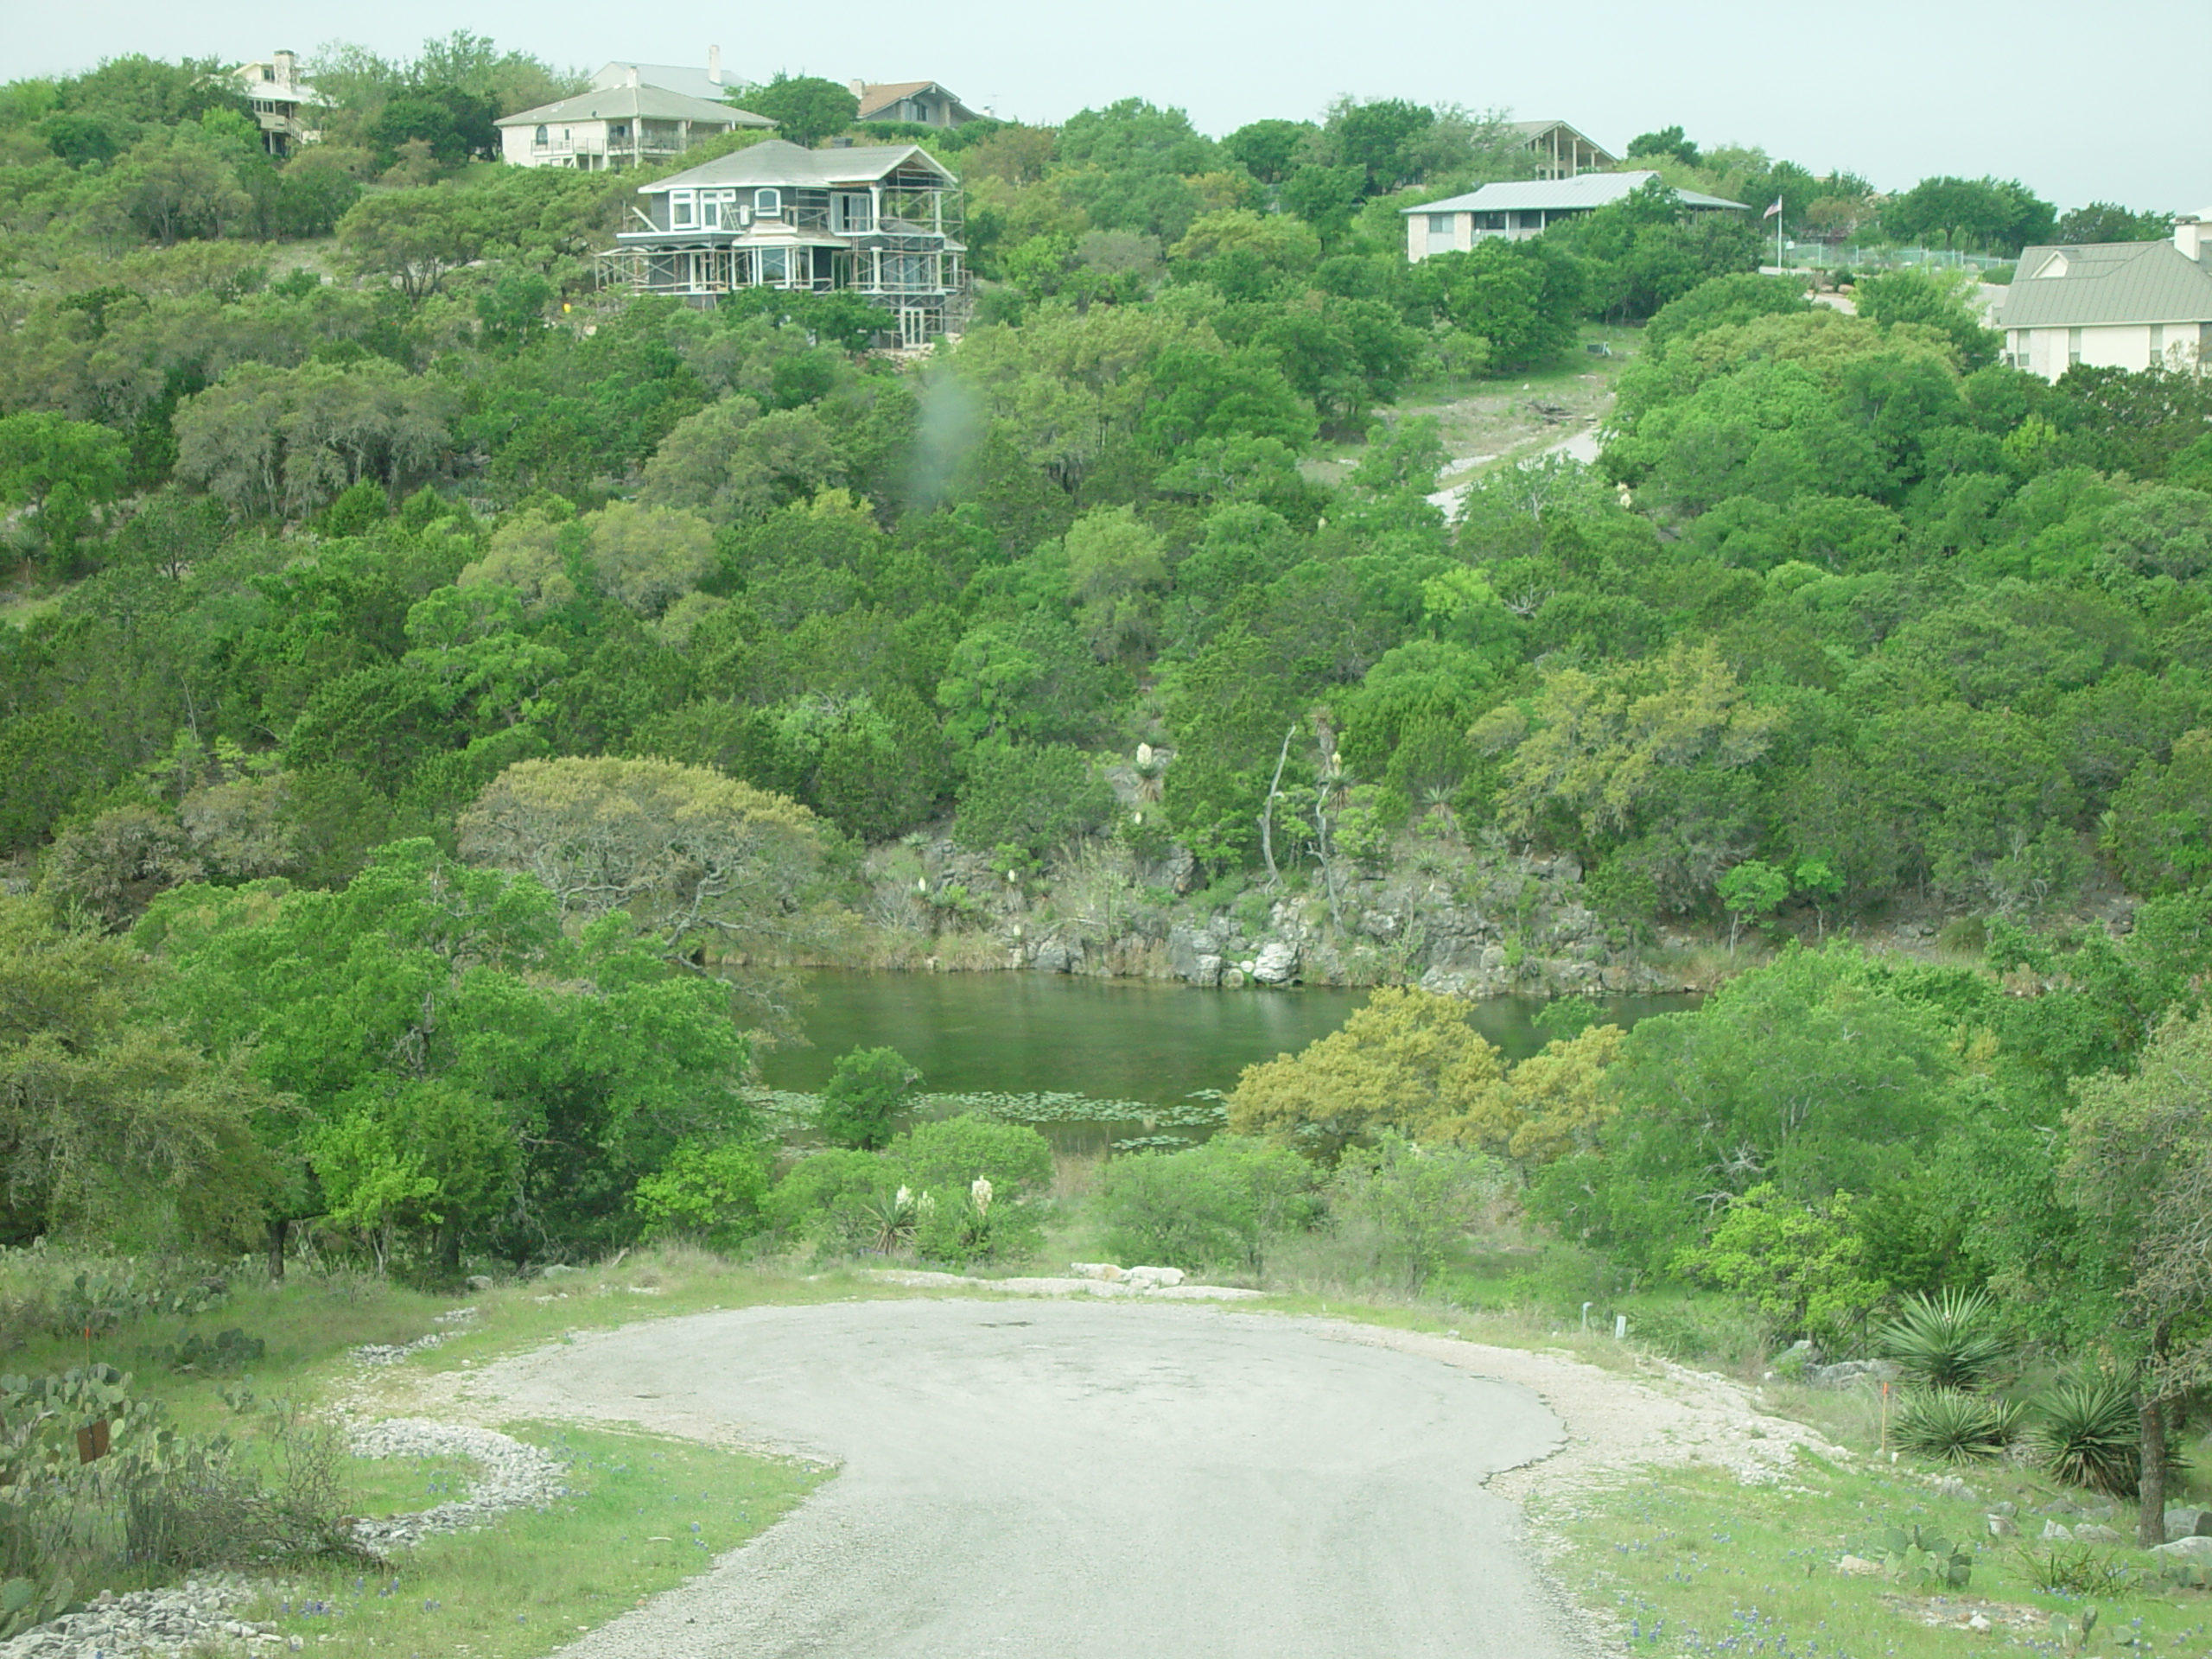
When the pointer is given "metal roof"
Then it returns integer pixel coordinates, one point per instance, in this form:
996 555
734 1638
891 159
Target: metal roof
687 79
778 162
630 103
2106 283
1586 190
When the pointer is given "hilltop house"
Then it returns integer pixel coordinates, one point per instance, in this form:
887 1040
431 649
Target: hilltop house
608 127
924 102
2122 305
879 220
706 83
1560 151
290 110
1524 208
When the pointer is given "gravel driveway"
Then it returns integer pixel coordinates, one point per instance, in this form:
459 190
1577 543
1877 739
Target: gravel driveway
1084 1481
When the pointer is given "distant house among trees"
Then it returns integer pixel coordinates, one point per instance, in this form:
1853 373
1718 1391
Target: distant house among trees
1560 151
921 102
2121 305
877 220
1527 207
608 127
288 109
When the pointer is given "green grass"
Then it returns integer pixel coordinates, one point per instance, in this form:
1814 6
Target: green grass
388 1486
1690 1563
645 1514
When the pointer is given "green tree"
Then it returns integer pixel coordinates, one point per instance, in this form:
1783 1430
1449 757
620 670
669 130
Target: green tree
806 109
1803 1266
1418 1201
1221 1204
861 1104
2104 221
1752 891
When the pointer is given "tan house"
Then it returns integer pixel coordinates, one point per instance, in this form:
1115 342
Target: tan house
922 102
879 220
2120 305
608 127
1527 207
288 110
1560 151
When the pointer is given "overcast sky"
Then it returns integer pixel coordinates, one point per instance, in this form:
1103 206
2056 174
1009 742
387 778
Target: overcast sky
2082 101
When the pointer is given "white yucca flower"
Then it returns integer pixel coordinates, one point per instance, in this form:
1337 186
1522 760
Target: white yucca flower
979 1191
906 1197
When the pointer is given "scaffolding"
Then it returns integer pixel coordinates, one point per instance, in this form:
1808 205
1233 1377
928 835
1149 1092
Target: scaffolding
896 243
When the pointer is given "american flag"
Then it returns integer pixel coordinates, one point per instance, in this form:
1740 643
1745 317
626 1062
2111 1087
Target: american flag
1772 211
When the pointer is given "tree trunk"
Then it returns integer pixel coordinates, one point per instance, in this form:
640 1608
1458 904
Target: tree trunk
277 1232
1267 810
2151 1529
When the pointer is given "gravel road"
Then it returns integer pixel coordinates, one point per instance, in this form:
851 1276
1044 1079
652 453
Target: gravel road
1085 1480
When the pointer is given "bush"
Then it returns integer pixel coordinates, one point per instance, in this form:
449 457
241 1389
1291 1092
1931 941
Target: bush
1945 1341
963 1228
1951 1426
947 1156
865 1091
711 1191
1419 1201
1031 796
822 1195
1217 1205
2089 1434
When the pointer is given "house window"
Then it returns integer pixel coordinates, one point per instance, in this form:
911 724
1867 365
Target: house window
856 214
768 203
542 138
718 209
683 210
2158 343
1489 221
773 266
2073 345
1440 224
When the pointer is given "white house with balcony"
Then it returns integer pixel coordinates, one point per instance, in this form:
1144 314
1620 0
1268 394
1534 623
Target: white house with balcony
879 220
289 110
1527 207
632 125
2120 305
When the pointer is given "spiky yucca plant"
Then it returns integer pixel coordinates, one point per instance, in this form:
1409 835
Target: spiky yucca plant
1952 1425
1945 1341
2089 1435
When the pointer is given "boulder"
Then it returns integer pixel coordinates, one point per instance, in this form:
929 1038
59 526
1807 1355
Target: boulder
2055 1534
2189 1523
1153 1278
1951 1486
1232 979
1184 946
479 1281
1851 1373
1103 1271
2192 1548
1056 956
1859 1568
2092 1533
1276 964
1207 971
2003 1526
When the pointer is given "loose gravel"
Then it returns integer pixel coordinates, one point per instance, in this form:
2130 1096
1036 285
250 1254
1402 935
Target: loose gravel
509 1475
163 1621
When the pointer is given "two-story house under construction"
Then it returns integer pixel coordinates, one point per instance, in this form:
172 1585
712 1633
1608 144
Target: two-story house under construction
880 221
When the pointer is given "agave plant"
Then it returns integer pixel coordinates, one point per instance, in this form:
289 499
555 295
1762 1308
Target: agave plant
2089 1434
1952 1425
1945 1341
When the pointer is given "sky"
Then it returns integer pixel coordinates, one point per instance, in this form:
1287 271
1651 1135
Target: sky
2081 102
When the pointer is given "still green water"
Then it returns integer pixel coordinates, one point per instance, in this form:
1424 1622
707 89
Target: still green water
1111 1039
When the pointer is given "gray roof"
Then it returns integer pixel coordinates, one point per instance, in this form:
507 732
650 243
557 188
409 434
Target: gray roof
1560 196
2106 283
687 79
630 102
776 162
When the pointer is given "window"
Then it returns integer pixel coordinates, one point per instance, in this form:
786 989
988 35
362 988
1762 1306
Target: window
2072 345
683 210
856 214
2157 342
768 202
773 266
1489 221
1440 224
542 139
718 209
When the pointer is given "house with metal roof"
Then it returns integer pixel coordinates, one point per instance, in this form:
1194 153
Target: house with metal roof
1560 151
924 102
632 124
2122 305
689 80
879 220
1527 207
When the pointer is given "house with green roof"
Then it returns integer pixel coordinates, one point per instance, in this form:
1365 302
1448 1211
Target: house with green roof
633 123
877 220
2121 305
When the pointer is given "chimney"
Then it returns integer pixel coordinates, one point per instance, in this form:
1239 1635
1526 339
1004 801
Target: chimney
714 64
288 66
2190 237
630 75
859 87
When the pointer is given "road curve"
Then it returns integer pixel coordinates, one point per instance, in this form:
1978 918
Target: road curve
1081 1481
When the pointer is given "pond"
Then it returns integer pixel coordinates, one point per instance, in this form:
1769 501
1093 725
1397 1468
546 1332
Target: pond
1105 1054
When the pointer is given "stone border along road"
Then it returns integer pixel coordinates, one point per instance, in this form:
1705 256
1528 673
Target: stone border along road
1105 1479
509 1475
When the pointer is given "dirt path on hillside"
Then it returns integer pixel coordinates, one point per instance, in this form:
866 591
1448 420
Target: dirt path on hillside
1108 1478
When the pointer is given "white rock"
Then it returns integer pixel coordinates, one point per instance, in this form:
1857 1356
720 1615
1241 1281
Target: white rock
2186 1549
1859 1568
1153 1278
2055 1534
1105 1270
2094 1534
1277 962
